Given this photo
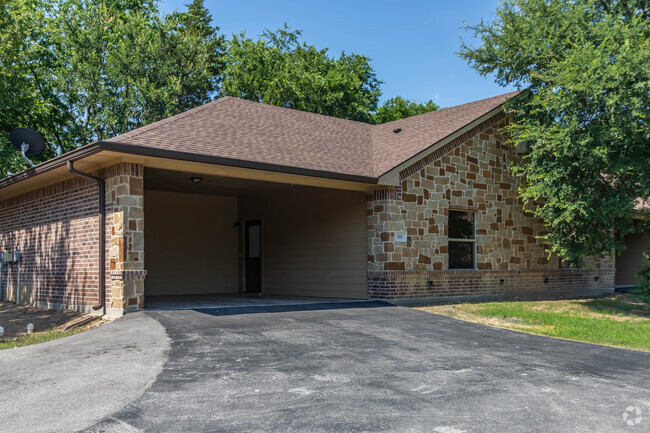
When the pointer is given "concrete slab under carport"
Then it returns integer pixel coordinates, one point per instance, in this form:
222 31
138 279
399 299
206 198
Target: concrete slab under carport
237 301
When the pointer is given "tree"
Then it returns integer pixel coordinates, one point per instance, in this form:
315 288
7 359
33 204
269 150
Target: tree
586 64
197 22
81 70
27 96
278 69
128 66
398 108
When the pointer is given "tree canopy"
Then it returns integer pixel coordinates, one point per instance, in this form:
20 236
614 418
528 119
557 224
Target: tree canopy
398 108
278 69
82 70
26 97
586 64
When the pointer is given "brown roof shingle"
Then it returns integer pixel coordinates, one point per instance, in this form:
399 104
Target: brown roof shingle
250 131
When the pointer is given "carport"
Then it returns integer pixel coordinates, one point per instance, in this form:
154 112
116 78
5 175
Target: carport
212 238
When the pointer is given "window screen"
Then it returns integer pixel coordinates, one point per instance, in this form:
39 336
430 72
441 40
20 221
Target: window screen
461 240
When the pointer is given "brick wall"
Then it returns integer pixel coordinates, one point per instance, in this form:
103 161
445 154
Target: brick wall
56 230
527 284
470 173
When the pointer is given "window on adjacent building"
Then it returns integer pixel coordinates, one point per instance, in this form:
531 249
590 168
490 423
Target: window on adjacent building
461 240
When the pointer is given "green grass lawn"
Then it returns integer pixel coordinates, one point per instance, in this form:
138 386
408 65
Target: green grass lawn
37 337
622 320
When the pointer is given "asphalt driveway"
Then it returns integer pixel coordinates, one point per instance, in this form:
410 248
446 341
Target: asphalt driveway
382 369
378 368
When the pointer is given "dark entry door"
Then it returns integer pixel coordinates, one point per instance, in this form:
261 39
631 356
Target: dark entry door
253 256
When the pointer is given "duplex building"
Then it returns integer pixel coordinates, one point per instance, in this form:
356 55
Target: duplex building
241 197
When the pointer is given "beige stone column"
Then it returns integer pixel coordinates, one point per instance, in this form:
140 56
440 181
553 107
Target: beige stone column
125 220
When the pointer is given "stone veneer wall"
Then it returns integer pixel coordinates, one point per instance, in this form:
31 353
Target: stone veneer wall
470 173
125 190
56 229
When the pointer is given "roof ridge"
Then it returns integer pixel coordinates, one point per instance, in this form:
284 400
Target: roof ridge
311 113
225 98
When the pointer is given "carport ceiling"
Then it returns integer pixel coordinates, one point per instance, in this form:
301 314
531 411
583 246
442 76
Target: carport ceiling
181 181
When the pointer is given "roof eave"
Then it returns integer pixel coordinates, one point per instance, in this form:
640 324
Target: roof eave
129 149
230 162
51 164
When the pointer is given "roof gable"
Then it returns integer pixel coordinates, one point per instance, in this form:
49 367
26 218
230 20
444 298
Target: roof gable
419 133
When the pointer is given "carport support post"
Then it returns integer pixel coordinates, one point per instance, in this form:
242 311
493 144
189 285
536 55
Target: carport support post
125 190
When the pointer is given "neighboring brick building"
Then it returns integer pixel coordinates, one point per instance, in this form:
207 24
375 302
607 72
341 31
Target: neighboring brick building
237 196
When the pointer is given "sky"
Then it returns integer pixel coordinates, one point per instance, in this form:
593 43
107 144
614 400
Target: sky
412 43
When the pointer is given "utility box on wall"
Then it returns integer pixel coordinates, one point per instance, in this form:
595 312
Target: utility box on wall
7 257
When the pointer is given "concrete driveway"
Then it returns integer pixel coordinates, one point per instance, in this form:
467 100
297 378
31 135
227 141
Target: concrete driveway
378 368
69 384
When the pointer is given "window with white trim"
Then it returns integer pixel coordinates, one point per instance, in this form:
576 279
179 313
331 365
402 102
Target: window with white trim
462 240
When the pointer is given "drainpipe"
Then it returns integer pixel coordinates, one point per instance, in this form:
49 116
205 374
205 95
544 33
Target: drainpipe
18 282
102 233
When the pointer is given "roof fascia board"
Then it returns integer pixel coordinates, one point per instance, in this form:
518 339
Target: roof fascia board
51 164
391 177
90 163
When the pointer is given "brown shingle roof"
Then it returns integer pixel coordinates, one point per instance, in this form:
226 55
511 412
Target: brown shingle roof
250 131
